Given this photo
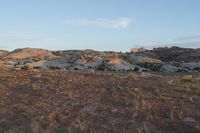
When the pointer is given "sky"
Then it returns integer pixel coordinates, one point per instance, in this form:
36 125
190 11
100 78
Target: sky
116 25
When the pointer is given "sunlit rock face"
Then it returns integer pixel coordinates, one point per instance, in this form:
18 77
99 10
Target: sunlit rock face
165 59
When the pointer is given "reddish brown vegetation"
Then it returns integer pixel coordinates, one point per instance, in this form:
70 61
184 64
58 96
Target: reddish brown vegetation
57 101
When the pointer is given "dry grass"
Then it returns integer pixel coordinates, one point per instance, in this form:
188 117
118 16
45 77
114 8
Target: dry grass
54 101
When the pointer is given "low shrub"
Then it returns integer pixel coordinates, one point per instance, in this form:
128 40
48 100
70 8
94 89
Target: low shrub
187 78
27 67
54 67
136 69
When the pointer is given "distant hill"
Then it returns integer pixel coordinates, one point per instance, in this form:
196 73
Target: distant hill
26 53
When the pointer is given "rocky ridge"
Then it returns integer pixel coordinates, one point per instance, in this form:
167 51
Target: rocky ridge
173 59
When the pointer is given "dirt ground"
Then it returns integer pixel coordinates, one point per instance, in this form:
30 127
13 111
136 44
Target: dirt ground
58 101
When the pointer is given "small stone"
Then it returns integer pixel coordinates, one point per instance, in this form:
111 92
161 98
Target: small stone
89 108
189 120
114 110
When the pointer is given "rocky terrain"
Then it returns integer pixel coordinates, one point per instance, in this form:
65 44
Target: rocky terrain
172 59
87 91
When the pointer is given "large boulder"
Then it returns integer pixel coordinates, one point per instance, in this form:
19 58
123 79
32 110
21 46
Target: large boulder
83 63
52 63
195 66
170 68
119 65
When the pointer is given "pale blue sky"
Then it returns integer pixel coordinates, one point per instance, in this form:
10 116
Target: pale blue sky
99 24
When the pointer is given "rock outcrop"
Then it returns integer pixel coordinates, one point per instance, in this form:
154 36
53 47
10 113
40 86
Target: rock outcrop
172 59
176 54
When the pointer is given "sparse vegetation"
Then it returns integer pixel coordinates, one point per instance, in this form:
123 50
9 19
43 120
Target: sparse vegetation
136 69
54 68
27 67
187 78
36 67
64 101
